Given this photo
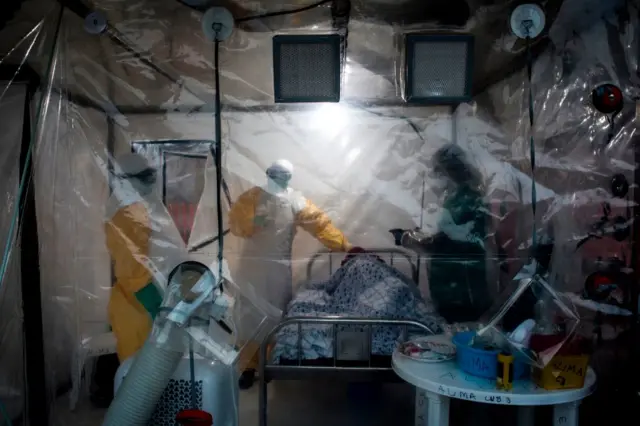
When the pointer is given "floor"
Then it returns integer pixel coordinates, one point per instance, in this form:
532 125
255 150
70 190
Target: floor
340 404
296 403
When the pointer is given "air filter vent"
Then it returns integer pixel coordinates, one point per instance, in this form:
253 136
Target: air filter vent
306 68
439 68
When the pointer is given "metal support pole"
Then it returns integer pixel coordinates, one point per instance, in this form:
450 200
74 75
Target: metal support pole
37 408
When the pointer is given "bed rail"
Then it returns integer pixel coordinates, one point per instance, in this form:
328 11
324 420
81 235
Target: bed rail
368 373
391 252
275 371
364 370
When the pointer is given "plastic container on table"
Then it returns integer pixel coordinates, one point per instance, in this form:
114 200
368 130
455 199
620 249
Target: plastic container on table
568 367
483 362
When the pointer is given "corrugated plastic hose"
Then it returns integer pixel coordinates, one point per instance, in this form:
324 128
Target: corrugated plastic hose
141 390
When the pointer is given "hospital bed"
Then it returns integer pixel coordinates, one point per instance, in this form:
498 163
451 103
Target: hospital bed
352 359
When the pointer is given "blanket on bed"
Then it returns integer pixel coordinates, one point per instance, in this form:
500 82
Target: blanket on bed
362 287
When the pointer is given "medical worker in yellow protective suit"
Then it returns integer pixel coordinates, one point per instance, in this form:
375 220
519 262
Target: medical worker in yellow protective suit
135 299
268 218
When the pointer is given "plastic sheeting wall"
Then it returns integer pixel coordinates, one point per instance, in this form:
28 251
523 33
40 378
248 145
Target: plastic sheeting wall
11 332
34 47
75 266
568 131
361 168
363 165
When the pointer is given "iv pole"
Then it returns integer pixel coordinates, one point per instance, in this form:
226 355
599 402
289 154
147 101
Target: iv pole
419 258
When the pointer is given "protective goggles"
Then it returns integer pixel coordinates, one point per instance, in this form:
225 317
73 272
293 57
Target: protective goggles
147 176
279 175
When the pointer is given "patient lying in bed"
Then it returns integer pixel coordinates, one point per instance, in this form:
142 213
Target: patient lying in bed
364 287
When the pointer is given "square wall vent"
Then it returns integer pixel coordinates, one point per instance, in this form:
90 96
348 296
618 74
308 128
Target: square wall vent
306 68
439 68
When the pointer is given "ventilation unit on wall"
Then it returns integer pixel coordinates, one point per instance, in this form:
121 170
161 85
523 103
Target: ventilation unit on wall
439 68
306 68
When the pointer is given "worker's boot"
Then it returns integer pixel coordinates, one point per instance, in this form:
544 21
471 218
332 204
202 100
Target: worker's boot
101 389
247 378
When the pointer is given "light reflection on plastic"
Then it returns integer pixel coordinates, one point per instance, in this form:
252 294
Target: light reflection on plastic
344 141
330 119
346 73
352 155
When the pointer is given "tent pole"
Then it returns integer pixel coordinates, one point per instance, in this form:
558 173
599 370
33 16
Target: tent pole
635 252
635 265
37 407
36 387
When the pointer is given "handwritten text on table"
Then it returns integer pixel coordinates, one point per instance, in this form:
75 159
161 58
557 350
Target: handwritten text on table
470 396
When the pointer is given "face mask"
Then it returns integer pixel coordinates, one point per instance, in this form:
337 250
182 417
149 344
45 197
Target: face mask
277 181
276 187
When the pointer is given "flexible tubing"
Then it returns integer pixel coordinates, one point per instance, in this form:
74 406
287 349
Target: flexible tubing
141 390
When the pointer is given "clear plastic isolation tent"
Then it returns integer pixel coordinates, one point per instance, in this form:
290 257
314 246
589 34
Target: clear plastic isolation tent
147 85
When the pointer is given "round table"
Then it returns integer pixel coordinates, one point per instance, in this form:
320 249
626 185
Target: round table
436 383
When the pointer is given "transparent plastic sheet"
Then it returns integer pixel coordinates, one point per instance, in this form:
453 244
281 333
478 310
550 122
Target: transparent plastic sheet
218 316
22 105
106 101
574 158
12 387
551 323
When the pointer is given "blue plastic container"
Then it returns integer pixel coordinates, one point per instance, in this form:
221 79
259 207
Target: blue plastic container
480 362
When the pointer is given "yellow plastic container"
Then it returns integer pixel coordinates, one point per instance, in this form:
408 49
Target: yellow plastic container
563 372
504 379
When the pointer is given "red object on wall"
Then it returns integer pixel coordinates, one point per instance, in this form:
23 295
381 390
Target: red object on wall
607 99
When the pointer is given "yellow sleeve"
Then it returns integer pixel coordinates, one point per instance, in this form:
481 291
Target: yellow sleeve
317 223
127 235
242 213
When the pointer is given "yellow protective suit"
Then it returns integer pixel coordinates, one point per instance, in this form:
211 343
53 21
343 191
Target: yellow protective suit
268 221
128 233
309 217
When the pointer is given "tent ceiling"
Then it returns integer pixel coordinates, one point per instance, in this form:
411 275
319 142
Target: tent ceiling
165 30
498 53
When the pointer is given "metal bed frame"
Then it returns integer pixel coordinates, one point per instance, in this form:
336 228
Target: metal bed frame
365 371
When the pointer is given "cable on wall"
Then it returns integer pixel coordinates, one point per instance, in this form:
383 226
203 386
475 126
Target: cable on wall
527 22
283 12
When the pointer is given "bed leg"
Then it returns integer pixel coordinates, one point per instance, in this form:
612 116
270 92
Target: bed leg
262 401
262 378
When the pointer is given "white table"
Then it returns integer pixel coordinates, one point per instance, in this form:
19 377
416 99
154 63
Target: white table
437 383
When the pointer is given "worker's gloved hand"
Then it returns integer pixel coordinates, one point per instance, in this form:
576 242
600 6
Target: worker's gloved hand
149 297
397 235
